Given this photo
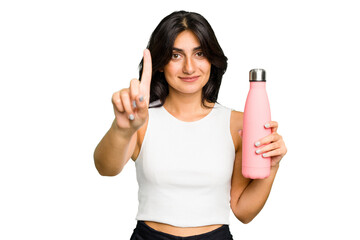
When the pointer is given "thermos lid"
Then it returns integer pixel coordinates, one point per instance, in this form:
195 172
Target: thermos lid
257 75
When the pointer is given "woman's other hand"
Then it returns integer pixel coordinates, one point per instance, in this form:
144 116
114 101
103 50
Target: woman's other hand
272 145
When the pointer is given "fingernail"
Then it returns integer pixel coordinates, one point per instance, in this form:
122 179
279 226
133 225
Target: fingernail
258 151
267 125
134 103
257 144
141 98
131 117
264 155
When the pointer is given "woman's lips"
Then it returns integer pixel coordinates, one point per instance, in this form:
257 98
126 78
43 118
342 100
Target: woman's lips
189 79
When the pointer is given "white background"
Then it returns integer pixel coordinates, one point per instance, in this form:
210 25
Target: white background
60 62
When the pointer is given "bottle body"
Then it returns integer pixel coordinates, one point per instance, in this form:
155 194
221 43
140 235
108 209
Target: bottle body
256 115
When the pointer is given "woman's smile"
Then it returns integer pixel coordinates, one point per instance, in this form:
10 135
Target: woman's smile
189 79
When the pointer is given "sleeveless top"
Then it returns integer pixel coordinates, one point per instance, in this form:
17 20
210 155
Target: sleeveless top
184 169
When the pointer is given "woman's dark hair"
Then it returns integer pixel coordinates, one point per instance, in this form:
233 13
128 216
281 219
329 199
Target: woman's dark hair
161 47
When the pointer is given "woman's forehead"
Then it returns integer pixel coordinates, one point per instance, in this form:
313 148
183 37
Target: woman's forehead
186 40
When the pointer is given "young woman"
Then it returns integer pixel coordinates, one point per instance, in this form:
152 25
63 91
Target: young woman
186 146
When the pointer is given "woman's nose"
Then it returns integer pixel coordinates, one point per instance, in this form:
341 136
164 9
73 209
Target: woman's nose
188 67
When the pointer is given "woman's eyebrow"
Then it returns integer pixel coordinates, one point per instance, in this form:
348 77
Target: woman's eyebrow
181 50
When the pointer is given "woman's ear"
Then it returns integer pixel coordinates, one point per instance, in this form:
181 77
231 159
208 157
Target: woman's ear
161 70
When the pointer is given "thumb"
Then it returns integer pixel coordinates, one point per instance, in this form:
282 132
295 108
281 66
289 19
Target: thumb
240 133
142 106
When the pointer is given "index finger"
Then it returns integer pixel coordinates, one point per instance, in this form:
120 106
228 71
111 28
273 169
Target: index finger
146 73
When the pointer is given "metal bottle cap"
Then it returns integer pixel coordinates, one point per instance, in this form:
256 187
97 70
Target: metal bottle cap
257 75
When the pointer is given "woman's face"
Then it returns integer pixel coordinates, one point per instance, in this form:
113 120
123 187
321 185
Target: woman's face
188 70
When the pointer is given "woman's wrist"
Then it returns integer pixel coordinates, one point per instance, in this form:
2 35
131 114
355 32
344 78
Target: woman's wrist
275 168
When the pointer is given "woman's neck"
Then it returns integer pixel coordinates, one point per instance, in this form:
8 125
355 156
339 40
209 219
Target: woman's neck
186 105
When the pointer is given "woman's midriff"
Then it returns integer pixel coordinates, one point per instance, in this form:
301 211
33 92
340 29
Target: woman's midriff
181 231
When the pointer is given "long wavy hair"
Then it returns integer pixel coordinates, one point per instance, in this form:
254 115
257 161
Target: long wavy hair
161 47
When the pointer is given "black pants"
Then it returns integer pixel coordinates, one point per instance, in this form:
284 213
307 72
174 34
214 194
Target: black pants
145 232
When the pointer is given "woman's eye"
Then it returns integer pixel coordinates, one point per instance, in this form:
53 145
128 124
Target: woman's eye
175 56
200 54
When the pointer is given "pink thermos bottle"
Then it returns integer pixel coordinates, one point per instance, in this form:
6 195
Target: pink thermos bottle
256 115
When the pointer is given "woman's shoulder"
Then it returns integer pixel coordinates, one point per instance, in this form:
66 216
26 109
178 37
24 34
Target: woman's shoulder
236 115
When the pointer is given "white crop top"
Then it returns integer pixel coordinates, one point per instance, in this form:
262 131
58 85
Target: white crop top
184 169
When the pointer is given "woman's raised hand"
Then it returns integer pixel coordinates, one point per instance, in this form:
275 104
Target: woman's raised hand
131 104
